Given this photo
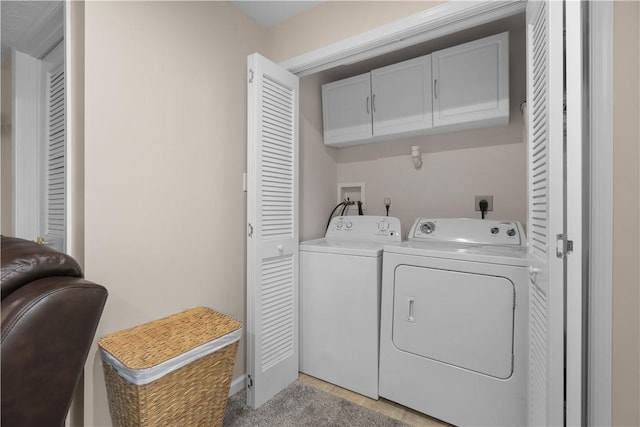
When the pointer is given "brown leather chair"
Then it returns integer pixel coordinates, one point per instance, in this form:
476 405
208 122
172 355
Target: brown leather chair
49 318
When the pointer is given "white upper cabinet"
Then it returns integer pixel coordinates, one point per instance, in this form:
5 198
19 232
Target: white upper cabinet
462 87
401 97
471 84
346 111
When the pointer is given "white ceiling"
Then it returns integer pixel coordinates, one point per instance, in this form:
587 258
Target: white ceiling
32 27
268 13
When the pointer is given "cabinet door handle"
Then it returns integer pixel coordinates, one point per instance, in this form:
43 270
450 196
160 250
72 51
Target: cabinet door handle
435 88
373 103
368 112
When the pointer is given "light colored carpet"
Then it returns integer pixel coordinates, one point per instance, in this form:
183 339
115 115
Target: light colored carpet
302 405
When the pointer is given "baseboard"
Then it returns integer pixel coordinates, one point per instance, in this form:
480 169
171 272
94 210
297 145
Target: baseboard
237 385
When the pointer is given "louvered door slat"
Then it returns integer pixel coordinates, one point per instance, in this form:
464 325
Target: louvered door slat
538 355
545 210
538 227
277 160
55 224
277 313
539 135
272 246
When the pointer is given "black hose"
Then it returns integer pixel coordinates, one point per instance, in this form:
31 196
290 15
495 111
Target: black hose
344 208
360 207
332 212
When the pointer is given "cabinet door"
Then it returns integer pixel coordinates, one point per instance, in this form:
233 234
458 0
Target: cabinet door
346 110
471 83
401 97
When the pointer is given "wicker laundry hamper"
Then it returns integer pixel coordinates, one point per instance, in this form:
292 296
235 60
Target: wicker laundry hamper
175 371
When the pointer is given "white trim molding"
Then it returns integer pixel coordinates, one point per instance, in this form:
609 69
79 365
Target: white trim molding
26 142
601 213
438 21
237 385
71 145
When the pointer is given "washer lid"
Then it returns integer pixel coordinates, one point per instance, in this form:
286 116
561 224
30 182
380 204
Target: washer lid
343 247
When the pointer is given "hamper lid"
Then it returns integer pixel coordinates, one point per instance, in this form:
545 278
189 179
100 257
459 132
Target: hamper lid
153 343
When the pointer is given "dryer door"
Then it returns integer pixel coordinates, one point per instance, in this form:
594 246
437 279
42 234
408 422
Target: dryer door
462 319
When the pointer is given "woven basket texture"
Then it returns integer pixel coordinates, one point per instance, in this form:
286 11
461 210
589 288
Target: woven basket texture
150 344
194 395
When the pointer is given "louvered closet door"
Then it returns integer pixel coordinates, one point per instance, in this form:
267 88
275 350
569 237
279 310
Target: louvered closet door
546 211
55 160
272 242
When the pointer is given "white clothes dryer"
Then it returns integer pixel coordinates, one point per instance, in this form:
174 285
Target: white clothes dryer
454 319
340 280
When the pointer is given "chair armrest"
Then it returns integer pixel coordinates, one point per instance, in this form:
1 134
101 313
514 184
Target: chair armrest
23 261
48 327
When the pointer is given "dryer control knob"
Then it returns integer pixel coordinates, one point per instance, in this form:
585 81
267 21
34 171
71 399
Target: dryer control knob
428 227
494 230
511 232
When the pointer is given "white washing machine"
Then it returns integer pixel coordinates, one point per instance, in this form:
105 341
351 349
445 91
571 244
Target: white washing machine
340 280
454 315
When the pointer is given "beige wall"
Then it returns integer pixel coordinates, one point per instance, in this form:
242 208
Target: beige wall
165 149
75 143
5 150
75 117
626 301
626 213
446 184
333 21
456 166
318 167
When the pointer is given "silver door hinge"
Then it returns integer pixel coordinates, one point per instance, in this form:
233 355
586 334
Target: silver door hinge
564 246
250 75
250 227
249 381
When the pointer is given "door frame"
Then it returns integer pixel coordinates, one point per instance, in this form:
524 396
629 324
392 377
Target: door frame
74 146
600 310
456 16
49 34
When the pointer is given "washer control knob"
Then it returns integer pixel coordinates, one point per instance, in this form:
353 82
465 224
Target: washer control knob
494 230
427 227
511 232
383 226
339 224
349 224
